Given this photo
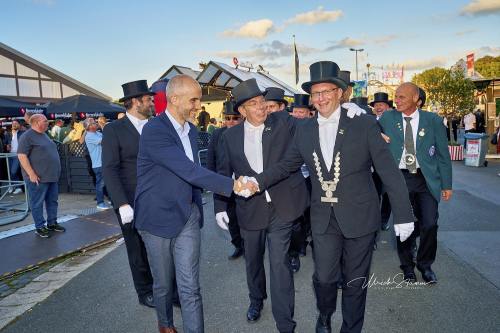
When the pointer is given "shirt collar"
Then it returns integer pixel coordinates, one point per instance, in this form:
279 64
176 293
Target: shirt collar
249 126
334 115
413 116
134 119
182 130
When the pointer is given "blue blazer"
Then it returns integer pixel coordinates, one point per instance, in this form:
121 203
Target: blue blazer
168 182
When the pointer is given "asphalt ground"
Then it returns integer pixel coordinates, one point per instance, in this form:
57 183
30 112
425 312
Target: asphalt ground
466 298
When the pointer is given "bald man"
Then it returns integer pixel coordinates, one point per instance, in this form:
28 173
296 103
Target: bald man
41 168
168 208
419 145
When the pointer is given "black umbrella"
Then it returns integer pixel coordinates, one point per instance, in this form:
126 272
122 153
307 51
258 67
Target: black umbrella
13 108
84 106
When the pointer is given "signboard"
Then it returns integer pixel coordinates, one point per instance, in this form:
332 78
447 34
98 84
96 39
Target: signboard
472 153
470 65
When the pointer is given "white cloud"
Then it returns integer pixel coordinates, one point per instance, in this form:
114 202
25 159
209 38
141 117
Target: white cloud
465 32
316 16
253 29
384 39
268 51
481 7
493 51
344 43
425 64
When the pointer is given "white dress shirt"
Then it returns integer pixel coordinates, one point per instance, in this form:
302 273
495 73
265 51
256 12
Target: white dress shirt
15 143
183 132
138 123
414 127
327 135
252 146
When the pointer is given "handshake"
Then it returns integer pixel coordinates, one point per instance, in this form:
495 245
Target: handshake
245 186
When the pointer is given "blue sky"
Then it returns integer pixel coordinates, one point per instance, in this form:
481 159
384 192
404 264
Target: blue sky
108 42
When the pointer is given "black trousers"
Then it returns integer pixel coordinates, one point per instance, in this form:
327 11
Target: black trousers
425 208
336 256
234 228
277 235
385 205
137 259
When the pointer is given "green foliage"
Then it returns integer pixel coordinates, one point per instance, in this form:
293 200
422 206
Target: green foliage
488 66
448 89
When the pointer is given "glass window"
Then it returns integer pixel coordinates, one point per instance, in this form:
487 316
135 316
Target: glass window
208 74
222 79
29 88
26 71
67 91
8 86
233 83
6 66
171 74
51 89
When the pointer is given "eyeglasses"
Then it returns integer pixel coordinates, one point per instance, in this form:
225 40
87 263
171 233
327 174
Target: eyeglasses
325 93
229 118
255 104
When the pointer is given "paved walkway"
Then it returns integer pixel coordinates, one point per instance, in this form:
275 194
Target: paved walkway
466 299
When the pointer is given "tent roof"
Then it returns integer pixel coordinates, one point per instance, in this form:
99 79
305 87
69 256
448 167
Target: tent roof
223 76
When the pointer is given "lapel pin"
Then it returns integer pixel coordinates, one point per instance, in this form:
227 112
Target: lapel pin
267 129
422 132
341 131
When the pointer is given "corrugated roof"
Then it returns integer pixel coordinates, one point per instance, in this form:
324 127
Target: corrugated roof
53 71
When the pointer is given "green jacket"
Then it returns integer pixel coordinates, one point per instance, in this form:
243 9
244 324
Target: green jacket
431 147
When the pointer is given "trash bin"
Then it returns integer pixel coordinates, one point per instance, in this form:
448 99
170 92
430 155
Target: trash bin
477 146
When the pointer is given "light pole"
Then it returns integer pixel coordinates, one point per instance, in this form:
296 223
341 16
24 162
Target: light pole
356 50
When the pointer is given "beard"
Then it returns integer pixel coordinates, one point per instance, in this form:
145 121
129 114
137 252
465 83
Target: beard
146 111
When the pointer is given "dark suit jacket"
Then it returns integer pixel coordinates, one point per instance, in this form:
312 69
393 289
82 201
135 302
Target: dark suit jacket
289 196
215 149
120 145
361 146
168 182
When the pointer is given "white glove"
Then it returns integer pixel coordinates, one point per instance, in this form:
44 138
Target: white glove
126 214
404 230
222 220
353 109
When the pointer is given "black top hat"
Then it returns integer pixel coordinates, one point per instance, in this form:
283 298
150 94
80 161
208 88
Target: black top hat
301 101
244 91
276 94
422 96
381 97
324 71
135 89
362 102
229 109
346 77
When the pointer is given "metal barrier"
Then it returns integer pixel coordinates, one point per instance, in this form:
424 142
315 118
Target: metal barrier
12 208
202 157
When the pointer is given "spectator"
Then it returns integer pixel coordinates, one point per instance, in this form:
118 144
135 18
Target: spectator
93 141
212 126
56 130
469 122
12 142
41 168
102 122
203 119
480 121
75 134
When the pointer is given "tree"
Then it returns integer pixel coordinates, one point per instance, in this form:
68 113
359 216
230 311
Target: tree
488 66
449 90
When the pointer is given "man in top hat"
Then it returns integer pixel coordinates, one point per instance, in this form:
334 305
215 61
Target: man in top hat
168 207
301 108
419 146
249 148
339 150
346 77
362 102
226 219
275 99
120 144
380 104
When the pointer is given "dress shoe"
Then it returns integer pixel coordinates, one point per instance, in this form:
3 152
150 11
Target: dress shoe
428 276
294 264
253 313
409 275
324 324
238 252
167 329
385 225
147 301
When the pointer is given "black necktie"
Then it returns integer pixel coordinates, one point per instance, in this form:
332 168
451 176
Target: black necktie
410 158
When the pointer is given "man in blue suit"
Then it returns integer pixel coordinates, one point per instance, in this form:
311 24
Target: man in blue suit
168 208
419 145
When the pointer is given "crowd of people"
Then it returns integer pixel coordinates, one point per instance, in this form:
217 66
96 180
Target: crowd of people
325 171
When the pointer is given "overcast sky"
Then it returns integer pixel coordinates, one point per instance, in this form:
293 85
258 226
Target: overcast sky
104 43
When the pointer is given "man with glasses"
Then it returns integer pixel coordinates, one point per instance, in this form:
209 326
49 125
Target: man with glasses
339 150
226 219
249 148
